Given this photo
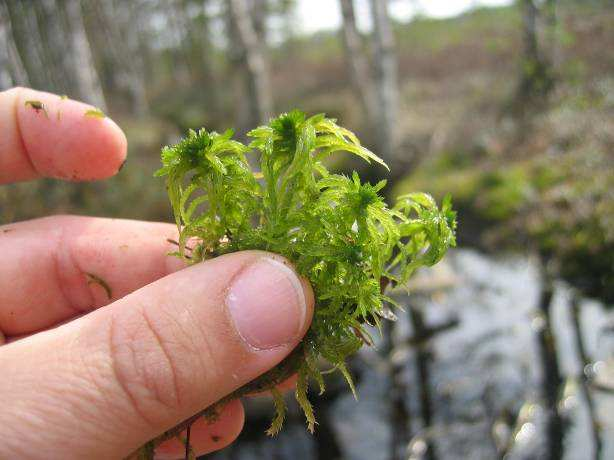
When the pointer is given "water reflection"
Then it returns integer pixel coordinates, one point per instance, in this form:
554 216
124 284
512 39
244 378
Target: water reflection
483 374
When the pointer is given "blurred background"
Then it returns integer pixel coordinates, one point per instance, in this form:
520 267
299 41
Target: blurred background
505 349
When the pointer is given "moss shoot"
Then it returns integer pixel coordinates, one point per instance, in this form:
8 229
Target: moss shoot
337 230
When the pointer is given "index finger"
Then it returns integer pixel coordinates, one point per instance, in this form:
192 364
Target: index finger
45 135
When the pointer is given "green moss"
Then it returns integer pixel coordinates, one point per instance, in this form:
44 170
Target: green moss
37 106
94 113
503 193
337 230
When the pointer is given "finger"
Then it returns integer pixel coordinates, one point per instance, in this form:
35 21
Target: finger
206 437
56 268
109 381
44 135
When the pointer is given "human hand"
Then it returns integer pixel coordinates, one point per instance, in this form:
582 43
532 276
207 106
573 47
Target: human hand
105 340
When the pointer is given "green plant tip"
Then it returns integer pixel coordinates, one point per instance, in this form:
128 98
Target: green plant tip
95 113
38 106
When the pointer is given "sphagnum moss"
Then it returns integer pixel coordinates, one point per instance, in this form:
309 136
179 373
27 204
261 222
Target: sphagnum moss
338 231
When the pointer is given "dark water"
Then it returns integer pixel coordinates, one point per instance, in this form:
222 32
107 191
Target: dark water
483 378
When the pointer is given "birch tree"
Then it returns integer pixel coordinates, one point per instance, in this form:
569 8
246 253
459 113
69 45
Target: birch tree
53 29
136 77
114 22
195 22
536 77
87 80
12 71
252 57
6 79
386 82
529 29
259 13
27 40
358 65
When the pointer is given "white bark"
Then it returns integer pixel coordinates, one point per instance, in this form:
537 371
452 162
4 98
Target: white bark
12 71
27 41
360 75
6 81
386 81
88 83
136 74
254 60
260 10
116 24
53 29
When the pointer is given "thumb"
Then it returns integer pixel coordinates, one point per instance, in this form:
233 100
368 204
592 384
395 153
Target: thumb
104 384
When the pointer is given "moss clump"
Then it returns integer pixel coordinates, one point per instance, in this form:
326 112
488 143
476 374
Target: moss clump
338 231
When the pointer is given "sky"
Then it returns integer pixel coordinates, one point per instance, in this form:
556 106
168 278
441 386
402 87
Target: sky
316 15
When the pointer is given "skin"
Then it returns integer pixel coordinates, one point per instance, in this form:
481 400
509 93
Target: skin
91 372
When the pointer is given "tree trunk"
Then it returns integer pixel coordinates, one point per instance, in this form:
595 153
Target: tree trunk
136 72
189 43
140 22
12 70
27 40
529 24
399 416
585 391
6 80
252 55
536 78
199 43
551 23
551 383
358 64
86 76
123 66
204 51
260 9
424 358
387 91
53 28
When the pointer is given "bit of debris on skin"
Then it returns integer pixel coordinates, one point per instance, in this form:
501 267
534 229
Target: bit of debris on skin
215 438
38 106
124 247
95 113
93 279
6 230
63 97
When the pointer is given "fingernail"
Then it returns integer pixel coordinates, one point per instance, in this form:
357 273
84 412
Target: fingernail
267 304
